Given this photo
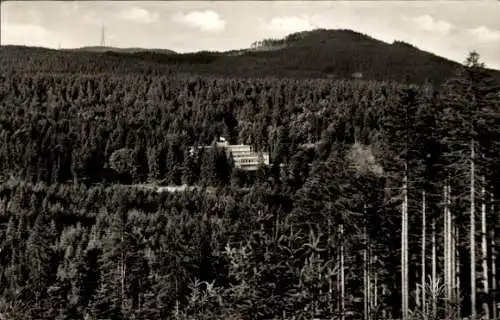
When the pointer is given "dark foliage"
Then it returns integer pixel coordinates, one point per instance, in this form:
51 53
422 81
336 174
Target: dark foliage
85 234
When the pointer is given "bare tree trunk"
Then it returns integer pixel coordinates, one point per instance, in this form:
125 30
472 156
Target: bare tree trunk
369 280
365 272
177 304
446 249
277 228
434 265
338 278
451 247
472 234
493 263
384 311
342 276
457 272
176 309
484 248
122 273
454 265
423 253
330 283
366 268
375 285
404 249
139 302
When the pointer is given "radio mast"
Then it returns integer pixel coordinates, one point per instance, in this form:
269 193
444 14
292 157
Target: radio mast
103 37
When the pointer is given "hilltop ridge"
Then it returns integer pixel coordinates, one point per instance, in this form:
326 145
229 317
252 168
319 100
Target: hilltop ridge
320 53
119 50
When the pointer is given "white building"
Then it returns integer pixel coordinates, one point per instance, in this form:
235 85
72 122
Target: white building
244 156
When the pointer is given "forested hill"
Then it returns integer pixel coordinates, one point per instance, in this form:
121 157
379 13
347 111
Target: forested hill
34 60
342 53
338 54
375 191
119 50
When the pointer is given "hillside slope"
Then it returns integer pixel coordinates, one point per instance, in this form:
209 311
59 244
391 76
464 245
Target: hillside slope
336 54
99 49
21 59
343 54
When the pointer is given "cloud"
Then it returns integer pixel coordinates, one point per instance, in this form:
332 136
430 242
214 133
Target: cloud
138 15
429 24
91 18
23 33
290 24
485 34
207 20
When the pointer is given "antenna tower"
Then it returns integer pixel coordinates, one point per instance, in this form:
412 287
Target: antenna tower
103 38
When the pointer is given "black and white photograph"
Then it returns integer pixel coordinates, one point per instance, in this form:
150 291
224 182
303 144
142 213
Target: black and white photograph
250 160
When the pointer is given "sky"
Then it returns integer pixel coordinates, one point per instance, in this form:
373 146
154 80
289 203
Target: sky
448 28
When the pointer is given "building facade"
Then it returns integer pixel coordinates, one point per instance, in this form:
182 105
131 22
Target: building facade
244 157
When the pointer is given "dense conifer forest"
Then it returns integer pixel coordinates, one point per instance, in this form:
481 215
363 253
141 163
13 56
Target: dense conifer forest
317 54
381 199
